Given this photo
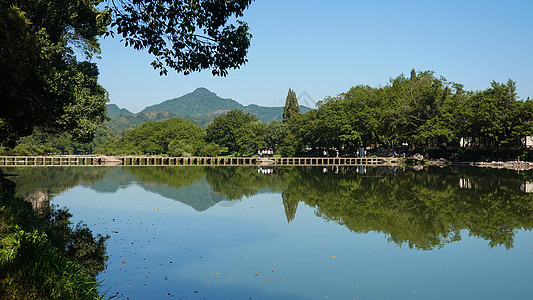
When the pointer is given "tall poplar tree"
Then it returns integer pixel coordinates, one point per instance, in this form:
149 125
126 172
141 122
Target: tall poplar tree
291 106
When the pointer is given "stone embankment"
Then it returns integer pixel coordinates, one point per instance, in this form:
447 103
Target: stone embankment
511 165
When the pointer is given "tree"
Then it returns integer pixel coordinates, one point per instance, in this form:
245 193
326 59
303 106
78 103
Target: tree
175 137
250 138
291 106
495 112
43 82
184 35
225 129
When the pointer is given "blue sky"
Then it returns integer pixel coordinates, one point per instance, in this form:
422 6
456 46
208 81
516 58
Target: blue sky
322 48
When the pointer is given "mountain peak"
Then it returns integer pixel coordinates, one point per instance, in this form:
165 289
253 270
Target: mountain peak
113 110
199 102
202 90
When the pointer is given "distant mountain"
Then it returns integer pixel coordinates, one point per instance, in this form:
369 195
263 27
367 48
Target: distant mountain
114 111
200 102
120 124
266 114
200 107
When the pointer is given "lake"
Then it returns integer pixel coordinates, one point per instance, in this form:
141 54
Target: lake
301 233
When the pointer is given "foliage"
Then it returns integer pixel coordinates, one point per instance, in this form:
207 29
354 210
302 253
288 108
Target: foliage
46 259
43 85
250 138
291 108
41 143
226 130
183 35
173 137
210 150
423 112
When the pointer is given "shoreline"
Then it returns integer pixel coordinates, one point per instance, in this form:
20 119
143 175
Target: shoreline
509 165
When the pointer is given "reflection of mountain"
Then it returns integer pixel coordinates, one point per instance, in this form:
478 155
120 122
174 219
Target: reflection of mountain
201 188
186 185
198 195
113 180
423 209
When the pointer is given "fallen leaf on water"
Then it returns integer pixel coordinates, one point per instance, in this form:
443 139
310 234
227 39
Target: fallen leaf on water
333 256
217 273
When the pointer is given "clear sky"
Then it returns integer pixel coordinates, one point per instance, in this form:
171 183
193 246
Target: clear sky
322 48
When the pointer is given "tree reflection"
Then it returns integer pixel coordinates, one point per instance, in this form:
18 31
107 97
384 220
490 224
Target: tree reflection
43 256
420 209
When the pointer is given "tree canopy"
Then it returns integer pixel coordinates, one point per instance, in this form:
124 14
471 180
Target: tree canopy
175 137
417 113
47 77
42 83
236 131
186 36
291 108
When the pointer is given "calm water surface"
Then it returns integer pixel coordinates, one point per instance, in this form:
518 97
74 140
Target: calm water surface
302 233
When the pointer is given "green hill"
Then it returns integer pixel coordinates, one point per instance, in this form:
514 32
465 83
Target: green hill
200 107
200 102
120 124
114 111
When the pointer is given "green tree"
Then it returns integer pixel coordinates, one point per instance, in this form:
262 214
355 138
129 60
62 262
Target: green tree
44 85
275 134
496 114
175 137
184 35
418 116
225 129
291 108
250 138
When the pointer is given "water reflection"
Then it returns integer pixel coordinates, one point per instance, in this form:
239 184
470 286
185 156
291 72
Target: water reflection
43 254
422 209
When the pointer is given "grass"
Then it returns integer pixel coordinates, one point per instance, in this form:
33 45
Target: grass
34 264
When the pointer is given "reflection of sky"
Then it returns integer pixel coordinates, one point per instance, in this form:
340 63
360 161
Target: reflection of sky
162 248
